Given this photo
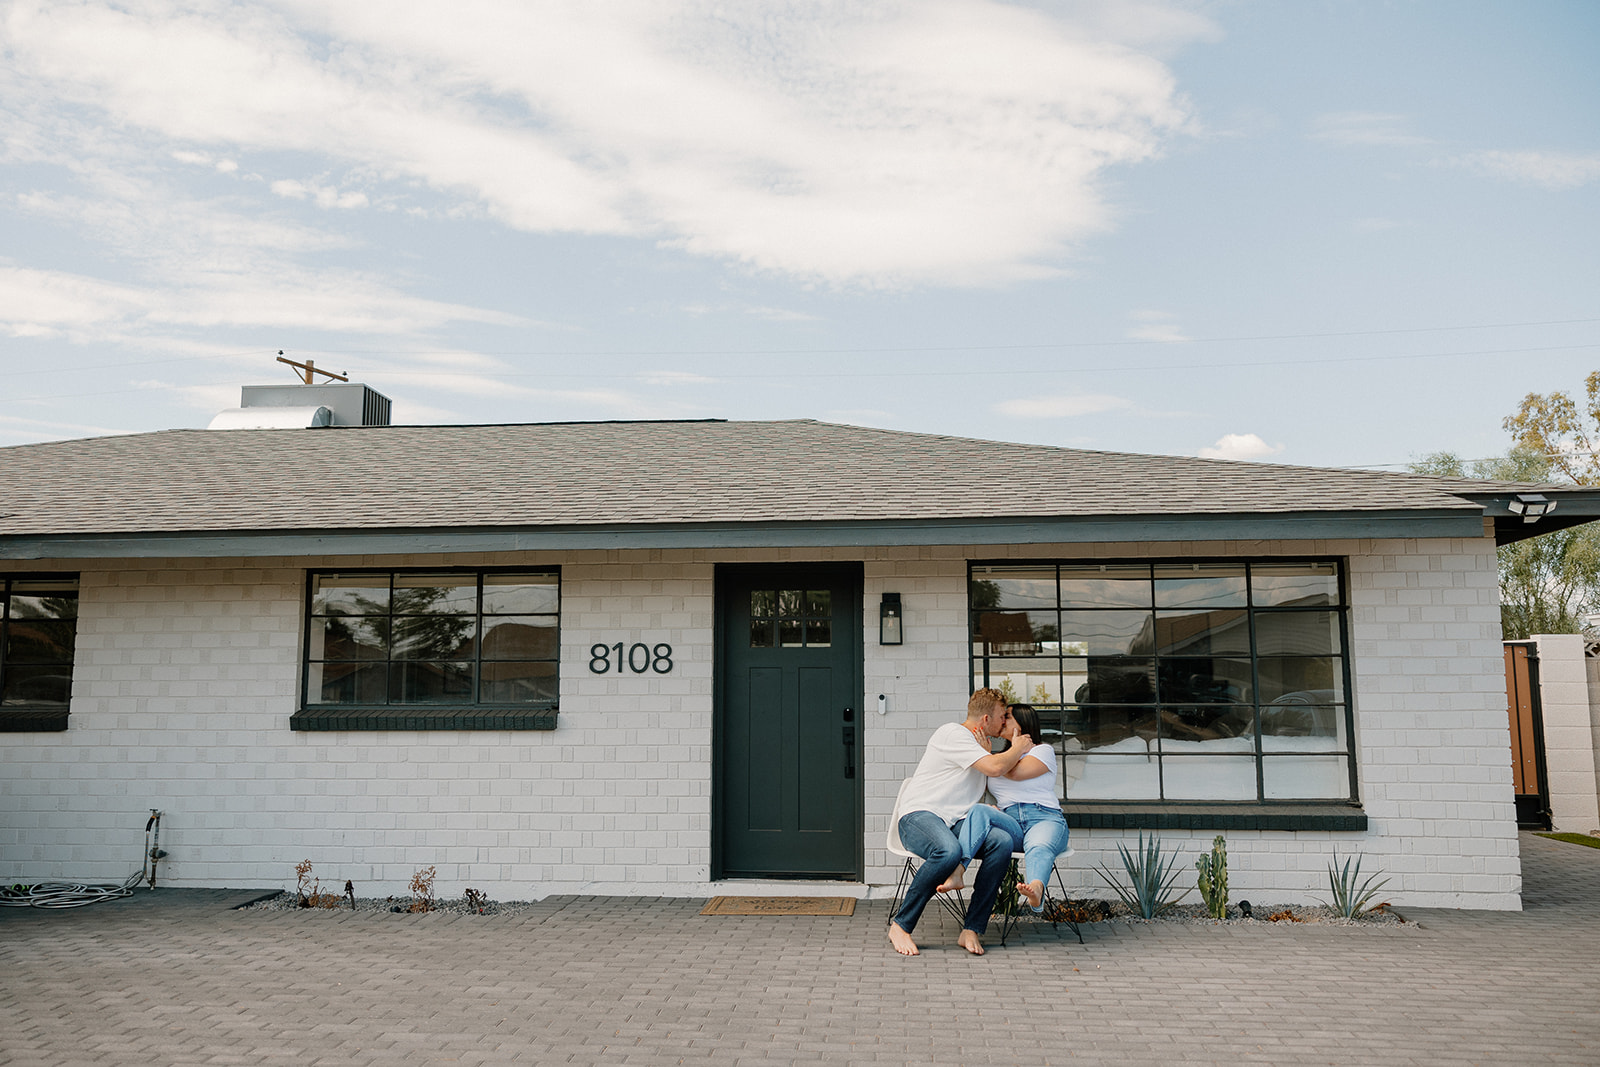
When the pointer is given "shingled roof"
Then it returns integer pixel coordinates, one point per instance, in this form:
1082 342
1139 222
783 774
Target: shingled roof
643 473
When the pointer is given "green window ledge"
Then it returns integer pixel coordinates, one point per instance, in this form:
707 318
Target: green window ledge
423 719
24 721
1125 815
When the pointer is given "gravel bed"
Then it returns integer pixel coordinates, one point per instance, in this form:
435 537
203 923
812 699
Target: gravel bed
1099 911
288 901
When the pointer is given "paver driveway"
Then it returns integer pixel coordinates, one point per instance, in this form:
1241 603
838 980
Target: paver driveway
175 977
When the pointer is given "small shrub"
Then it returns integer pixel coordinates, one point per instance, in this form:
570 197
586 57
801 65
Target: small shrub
1284 916
1150 875
476 901
1352 898
1213 868
422 890
308 891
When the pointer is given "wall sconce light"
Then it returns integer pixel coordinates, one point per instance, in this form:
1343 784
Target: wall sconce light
1531 506
890 631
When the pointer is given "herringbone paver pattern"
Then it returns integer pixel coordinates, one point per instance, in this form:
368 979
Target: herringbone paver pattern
175 978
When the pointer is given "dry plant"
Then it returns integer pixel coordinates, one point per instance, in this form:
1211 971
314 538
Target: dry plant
422 890
476 901
1284 916
309 890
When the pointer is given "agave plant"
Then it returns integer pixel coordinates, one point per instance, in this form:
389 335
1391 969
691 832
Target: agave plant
1151 876
1351 897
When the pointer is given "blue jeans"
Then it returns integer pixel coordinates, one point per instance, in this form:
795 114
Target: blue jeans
1044 837
941 849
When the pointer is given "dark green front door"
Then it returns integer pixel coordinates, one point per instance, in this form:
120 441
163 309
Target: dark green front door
788 739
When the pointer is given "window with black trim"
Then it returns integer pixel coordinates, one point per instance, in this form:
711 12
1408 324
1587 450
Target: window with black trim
38 632
1177 681
431 649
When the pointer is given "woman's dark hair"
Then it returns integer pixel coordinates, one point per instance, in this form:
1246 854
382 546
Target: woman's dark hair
1028 719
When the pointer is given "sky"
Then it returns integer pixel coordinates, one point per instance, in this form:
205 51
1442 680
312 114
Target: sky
1328 233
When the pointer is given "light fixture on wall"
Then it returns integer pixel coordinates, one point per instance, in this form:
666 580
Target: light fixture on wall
890 631
1531 506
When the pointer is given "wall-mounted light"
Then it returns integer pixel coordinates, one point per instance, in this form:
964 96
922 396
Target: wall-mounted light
1531 506
890 631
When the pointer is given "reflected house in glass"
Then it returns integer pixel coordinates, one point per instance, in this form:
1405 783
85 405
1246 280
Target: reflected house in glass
643 657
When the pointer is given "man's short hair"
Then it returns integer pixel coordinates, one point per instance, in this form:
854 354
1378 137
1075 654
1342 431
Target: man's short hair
983 700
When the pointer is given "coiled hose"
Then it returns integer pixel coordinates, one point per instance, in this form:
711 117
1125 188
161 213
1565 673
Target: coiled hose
65 894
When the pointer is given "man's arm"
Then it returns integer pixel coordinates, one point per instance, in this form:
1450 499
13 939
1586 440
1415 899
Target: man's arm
998 764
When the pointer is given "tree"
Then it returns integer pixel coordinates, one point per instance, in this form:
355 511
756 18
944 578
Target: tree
1550 582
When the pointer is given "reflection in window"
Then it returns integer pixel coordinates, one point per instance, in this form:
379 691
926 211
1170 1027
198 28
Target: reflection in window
38 636
1180 681
433 638
791 618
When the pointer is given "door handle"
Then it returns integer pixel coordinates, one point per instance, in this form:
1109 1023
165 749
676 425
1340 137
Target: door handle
849 744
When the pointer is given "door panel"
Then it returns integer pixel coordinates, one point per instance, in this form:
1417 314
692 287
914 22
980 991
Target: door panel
789 690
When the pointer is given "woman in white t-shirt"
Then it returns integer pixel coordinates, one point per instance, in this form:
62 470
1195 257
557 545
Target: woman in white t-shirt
1028 794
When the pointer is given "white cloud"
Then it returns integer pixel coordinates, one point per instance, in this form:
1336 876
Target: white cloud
324 196
1061 407
1156 326
1549 170
943 141
1239 446
1365 128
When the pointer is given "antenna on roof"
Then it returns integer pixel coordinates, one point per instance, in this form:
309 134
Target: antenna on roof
308 368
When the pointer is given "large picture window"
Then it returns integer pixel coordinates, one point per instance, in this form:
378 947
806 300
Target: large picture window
431 649
1182 681
38 631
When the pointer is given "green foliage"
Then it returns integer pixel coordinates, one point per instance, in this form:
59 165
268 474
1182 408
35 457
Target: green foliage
1150 875
1351 898
1213 868
1547 583
1007 690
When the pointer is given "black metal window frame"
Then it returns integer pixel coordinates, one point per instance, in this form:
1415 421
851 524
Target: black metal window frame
476 714
1176 813
18 713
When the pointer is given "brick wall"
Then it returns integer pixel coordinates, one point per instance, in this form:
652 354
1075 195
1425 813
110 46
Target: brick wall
187 673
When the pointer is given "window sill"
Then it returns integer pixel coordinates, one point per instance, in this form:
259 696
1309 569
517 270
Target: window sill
417 718
32 720
1137 815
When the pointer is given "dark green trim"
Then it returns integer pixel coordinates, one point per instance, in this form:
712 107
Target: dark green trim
1124 815
1288 526
27 721
417 719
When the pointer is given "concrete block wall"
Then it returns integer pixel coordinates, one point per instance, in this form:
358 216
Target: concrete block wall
1433 749
187 673
1569 739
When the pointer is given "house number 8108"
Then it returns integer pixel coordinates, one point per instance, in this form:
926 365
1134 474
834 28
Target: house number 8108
639 659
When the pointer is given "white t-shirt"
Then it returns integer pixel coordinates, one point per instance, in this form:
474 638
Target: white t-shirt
945 782
1040 790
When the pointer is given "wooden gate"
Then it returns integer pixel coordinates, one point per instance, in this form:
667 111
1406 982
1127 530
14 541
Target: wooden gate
1531 785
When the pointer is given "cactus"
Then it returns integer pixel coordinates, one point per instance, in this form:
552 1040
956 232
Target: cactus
1151 877
1213 868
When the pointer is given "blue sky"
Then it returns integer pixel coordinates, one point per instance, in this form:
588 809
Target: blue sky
1324 233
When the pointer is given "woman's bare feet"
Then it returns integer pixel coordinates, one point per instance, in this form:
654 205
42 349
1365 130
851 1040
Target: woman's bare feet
902 941
1032 892
955 883
971 942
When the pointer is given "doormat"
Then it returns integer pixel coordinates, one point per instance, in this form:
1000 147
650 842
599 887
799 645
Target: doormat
780 906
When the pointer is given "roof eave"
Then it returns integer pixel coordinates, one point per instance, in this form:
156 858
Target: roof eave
1095 529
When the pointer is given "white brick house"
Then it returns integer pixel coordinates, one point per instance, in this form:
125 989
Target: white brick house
645 657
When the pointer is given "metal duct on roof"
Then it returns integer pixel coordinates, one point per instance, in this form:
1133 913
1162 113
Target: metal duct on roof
264 418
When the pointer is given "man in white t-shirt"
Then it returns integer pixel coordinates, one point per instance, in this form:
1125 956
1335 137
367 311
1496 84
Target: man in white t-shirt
938 800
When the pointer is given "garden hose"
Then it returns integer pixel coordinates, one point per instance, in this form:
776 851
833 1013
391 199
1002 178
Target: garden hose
77 894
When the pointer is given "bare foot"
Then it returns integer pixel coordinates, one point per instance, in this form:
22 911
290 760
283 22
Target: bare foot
970 941
955 883
1032 892
902 941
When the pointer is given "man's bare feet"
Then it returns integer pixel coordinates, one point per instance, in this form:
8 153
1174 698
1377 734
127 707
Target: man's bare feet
902 941
970 941
1032 892
955 883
